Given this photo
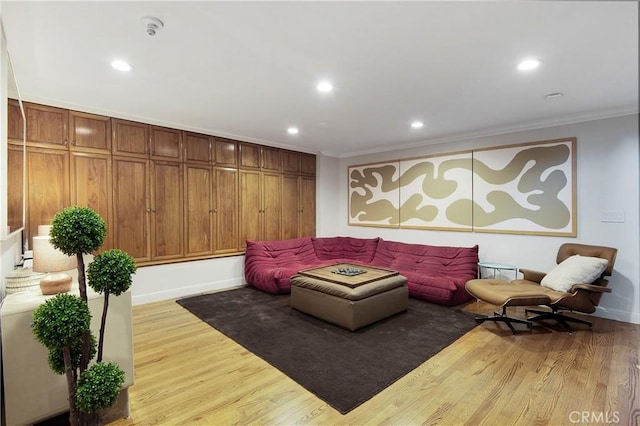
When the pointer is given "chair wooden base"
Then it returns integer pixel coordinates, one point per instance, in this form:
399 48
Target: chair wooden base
557 316
503 317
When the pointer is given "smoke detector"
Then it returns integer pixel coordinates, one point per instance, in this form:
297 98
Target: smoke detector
152 24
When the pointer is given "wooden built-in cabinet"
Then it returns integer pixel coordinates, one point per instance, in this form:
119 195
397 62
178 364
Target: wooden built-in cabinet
198 148
167 195
167 208
270 159
198 210
225 152
46 125
47 187
91 180
131 209
225 211
15 123
260 206
298 206
166 144
130 138
89 132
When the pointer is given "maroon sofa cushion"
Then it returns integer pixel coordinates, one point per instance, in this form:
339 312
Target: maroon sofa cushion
435 273
269 265
359 250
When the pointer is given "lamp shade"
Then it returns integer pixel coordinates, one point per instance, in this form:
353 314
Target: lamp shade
44 230
47 258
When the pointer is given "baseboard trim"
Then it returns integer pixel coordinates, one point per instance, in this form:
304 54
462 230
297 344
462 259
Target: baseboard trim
618 315
141 299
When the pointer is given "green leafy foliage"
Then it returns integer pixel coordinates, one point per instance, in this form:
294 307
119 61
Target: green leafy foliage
61 321
77 230
111 271
98 386
56 359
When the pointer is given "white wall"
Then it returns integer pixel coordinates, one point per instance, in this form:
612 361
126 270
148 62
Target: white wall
154 283
10 249
608 160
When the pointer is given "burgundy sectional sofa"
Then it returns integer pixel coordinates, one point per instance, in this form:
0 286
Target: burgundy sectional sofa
435 273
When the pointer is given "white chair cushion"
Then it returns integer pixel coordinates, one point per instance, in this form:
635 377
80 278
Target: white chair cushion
574 270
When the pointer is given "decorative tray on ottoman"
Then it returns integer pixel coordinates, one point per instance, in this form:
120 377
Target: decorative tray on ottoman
348 274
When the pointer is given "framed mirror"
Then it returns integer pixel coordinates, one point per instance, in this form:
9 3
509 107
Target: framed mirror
13 144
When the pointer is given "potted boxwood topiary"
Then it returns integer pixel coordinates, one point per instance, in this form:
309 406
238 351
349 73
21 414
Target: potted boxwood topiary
62 323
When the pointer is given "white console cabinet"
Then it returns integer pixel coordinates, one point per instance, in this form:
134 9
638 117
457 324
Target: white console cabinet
32 391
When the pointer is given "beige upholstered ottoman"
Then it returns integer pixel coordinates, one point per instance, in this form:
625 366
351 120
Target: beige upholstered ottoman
352 308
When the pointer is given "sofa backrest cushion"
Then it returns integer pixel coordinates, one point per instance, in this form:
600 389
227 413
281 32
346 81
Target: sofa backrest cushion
356 249
427 260
278 253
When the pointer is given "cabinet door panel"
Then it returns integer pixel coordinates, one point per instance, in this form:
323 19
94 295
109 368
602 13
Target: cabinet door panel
130 201
290 207
166 210
91 187
291 162
198 187
307 207
197 148
271 159
166 144
271 206
46 125
226 211
89 132
225 152
15 122
130 138
47 187
249 156
250 207
308 164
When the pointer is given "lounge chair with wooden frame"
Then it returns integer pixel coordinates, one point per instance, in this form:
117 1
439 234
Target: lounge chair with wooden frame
576 284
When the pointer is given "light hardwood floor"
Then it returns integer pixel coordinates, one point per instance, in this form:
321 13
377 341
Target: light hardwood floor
186 372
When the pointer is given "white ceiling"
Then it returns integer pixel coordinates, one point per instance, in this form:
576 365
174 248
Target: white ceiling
248 70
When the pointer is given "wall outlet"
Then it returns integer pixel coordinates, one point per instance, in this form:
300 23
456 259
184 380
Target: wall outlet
612 216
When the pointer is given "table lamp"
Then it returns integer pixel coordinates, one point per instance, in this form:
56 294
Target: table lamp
50 260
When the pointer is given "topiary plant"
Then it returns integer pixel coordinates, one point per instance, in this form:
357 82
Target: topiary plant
110 272
62 323
77 231
98 387
59 324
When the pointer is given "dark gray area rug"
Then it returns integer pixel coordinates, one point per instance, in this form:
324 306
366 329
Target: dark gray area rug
342 368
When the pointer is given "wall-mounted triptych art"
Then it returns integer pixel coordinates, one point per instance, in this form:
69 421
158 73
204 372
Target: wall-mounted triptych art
374 195
525 189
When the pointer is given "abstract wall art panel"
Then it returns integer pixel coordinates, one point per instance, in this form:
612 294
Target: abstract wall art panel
436 192
374 195
526 189
520 189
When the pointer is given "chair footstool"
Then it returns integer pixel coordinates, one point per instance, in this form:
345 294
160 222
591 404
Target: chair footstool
505 294
503 317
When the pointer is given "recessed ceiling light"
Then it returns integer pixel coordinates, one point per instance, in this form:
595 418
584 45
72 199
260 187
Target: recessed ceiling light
417 124
292 130
121 65
529 64
324 86
554 95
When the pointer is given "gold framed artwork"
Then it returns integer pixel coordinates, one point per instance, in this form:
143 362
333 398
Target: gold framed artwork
527 188
435 192
374 195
